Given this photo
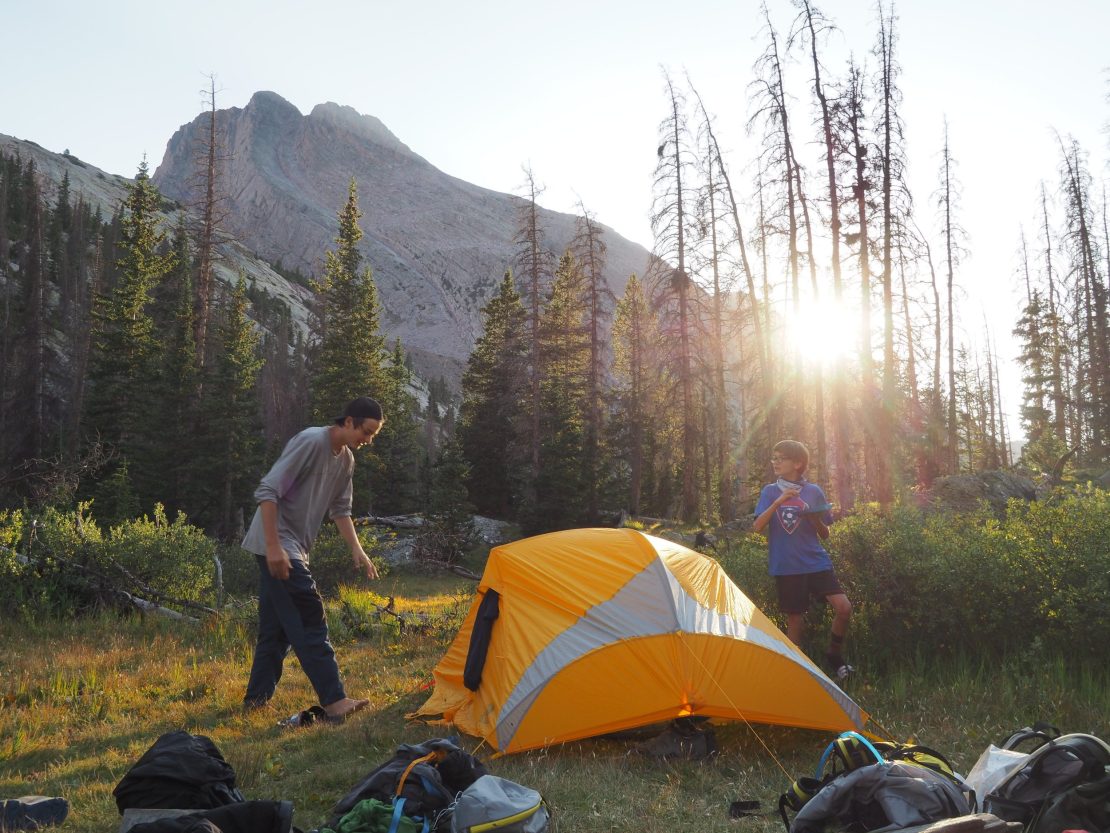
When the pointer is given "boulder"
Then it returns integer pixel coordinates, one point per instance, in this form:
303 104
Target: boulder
965 492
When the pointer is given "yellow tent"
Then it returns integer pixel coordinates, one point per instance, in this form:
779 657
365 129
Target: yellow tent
598 630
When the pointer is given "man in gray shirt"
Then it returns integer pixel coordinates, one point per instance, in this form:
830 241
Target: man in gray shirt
311 478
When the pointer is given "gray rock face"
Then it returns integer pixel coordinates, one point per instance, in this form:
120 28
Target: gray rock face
437 246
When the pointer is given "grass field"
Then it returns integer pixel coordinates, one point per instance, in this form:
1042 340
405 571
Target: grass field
80 701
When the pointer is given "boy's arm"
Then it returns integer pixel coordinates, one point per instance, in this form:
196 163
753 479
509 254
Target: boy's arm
346 528
765 517
819 525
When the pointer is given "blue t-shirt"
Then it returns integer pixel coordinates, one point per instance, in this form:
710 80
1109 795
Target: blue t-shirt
793 542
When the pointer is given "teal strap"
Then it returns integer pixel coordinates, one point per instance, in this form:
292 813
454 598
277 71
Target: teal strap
398 806
828 751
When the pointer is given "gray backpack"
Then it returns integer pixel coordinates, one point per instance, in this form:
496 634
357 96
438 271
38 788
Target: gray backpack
886 796
493 803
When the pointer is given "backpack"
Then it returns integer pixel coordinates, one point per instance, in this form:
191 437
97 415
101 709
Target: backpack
886 796
1056 767
1083 807
493 803
851 752
419 783
181 771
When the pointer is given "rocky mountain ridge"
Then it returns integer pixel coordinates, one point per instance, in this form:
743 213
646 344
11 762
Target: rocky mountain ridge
437 245
106 192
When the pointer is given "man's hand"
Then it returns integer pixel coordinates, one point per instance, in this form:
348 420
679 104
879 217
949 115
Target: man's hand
277 561
364 564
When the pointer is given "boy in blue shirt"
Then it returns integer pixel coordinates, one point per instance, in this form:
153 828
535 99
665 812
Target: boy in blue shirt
796 516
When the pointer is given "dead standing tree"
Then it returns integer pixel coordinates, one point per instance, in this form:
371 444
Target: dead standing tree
809 25
210 210
589 248
1059 398
669 225
948 202
777 154
1093 359
534 268
716 163
895 207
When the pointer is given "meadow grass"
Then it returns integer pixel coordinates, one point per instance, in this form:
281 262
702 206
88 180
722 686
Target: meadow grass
81 700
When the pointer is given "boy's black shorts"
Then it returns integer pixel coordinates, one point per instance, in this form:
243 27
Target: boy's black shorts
795 591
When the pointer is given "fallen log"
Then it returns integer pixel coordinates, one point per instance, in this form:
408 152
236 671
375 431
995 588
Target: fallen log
391 521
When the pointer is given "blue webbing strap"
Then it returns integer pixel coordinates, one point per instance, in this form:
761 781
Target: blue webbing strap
398 805
828 751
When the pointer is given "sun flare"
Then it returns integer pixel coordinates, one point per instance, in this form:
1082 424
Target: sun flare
830 329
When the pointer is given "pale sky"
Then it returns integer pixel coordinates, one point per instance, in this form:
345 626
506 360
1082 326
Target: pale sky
574 88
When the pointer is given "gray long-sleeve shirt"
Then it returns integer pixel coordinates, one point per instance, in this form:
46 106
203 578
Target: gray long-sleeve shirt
306 482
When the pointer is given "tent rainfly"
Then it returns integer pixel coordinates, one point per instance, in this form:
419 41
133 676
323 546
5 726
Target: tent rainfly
588 631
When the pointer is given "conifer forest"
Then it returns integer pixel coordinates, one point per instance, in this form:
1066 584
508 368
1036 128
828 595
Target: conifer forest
801 290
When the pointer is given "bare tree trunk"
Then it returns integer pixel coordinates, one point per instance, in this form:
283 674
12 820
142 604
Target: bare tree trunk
210 156
821 457
950 247
533 259
774 413
671 220
1059 404
993 456
841 477
916 412
725 446
861 185
890 384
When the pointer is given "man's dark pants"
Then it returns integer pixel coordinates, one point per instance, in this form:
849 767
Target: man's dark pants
291 615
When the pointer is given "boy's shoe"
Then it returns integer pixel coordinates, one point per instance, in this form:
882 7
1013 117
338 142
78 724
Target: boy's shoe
838 668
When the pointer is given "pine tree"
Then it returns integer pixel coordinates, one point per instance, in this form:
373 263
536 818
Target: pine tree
564 360
636 386
123 370
491 429
350 348
171 477
449 533
396 486
232 452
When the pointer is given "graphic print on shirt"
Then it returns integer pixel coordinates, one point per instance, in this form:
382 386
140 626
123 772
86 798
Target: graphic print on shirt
790 513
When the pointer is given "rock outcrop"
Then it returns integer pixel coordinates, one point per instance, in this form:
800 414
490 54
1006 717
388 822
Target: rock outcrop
437 245
965 492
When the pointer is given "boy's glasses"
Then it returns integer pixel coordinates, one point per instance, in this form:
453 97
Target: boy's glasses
775 458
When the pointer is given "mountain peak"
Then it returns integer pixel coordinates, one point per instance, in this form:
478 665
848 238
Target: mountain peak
368 127
267 100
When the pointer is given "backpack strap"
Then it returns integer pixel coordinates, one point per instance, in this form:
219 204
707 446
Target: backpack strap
398 807
432 757
796 797
909 753
835 747
1044 732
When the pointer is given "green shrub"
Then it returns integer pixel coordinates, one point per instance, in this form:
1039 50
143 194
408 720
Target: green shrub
175 558
71 565
963 585
330 559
